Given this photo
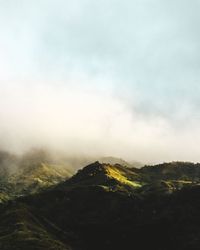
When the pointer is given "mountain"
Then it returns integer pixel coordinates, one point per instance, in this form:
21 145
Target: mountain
114 160
36 178
105 206
166 177
107 176
186 171
33 172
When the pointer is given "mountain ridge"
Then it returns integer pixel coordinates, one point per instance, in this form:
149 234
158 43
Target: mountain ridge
97 209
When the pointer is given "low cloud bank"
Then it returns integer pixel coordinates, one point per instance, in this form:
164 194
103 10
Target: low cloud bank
90 121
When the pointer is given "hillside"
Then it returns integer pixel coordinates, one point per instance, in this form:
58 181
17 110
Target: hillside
36 178
106 175
30 173
106 206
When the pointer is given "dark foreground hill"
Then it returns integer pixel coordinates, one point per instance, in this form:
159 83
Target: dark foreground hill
105 207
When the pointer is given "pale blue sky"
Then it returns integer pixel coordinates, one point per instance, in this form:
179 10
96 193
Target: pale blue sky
142 54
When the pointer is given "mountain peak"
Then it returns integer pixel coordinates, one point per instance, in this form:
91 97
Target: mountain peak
106 175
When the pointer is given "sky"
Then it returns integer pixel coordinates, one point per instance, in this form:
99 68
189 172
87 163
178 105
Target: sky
105 77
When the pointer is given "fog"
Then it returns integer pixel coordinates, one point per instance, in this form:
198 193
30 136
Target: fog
101 79
91 122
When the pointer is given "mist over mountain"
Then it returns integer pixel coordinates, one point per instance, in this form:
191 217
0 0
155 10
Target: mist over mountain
99 125
38 169
91 122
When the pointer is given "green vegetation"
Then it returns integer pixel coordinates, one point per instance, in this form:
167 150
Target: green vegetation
103 206
34 179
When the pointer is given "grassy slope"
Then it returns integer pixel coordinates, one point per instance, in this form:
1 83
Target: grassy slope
104 207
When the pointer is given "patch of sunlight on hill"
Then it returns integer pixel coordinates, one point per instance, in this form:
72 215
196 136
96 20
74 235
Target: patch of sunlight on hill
116 174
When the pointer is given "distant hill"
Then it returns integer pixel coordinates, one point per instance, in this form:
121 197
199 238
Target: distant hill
114 160
30 173
34 179
173 171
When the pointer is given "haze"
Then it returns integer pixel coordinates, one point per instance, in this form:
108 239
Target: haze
102 78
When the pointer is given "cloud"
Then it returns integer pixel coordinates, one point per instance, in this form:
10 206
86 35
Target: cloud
102 77
89 121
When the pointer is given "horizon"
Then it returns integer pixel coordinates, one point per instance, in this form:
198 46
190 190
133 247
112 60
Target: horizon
74 162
